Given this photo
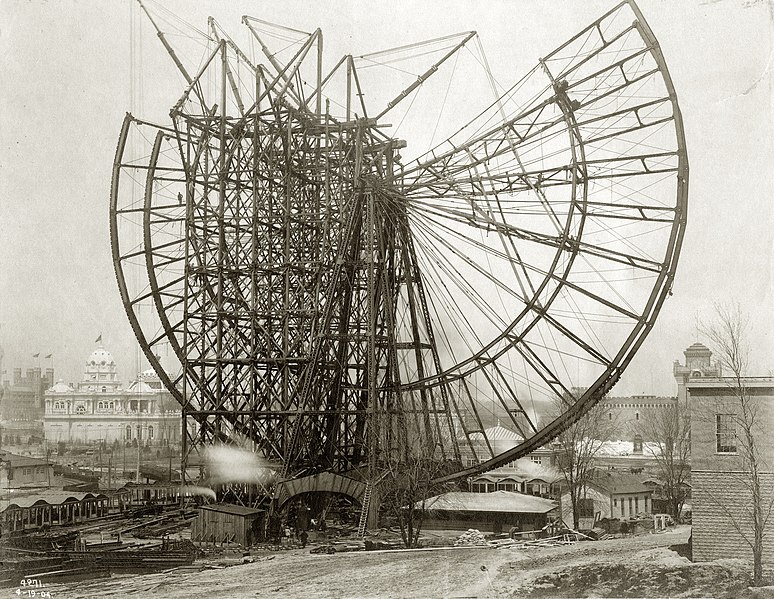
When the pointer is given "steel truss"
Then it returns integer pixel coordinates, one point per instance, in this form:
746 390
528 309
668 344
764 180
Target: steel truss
339 307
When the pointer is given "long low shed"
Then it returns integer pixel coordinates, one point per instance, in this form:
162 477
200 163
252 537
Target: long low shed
488 512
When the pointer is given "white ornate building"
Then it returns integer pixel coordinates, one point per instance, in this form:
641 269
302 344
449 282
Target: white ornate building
100 409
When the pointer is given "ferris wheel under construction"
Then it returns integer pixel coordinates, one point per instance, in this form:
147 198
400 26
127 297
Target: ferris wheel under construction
339 302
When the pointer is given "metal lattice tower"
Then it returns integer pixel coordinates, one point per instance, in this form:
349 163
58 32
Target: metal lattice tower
338 305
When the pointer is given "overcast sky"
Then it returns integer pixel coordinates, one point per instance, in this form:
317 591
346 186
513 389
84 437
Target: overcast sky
66 84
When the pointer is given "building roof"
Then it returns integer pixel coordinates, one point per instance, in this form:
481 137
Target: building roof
619 483
140 387
61 387
21 461
698 348
499 501
498 433
626 448
100 357
227 508
47 498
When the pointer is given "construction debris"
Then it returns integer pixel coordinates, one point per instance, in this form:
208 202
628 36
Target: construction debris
471 538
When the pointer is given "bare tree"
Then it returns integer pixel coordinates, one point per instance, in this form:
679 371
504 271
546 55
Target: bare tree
668 431
576 447
728 337
405 489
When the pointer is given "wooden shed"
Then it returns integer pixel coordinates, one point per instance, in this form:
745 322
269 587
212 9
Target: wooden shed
226 523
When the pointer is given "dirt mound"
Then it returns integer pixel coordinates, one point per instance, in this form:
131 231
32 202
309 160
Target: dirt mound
665 578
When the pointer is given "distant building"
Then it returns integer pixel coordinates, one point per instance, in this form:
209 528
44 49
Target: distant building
100 409
698 364
609 495
23 397
719 476
19 472
630 413
531 475
21 406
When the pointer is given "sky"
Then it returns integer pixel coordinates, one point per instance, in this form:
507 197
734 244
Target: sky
69 77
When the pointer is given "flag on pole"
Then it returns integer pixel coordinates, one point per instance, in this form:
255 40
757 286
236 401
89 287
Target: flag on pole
48 357
98 339
37 355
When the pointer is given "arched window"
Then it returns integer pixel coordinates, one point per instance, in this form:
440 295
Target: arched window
104 389
128 433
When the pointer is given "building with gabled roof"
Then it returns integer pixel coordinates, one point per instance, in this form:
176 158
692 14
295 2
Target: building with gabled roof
609 494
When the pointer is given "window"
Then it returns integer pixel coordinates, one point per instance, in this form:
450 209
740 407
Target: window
128 434
150 432
536 459
725 432
637 443
636 415
631 513
636 505
609 415
80 410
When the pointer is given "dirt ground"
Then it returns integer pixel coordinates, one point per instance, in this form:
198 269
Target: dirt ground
642 566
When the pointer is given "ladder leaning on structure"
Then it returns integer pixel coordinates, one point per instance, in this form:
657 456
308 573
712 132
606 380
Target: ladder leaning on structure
361 528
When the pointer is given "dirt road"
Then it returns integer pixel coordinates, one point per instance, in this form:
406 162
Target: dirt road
640 566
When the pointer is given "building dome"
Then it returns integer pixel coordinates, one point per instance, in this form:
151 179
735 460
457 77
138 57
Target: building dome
100 357
60 387
100 373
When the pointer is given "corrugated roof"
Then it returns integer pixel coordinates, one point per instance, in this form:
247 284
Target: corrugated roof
499 501
47 498
227 508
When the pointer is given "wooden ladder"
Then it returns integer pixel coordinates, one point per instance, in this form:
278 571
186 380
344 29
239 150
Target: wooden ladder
361 527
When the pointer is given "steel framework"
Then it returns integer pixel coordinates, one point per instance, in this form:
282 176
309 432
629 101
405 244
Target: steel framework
339 306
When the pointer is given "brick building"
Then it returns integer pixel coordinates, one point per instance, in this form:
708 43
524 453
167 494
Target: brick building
719 475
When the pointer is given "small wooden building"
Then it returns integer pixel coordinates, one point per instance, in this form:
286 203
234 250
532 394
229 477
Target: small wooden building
226 523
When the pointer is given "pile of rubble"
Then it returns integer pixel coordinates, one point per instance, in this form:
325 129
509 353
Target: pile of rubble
471 538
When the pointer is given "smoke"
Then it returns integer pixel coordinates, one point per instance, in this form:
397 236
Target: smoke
203 491
528 469
228 464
